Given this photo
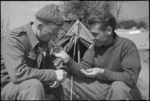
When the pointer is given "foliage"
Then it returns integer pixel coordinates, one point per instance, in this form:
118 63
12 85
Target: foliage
73 10
141 24
117 8
82 10
126 24
4 26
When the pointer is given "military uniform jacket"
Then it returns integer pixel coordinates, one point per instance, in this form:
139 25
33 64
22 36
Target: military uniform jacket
21 60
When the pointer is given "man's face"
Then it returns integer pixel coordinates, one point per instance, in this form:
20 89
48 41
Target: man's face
100 37
48 32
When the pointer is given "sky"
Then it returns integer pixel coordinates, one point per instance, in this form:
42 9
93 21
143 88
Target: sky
22 12
134 9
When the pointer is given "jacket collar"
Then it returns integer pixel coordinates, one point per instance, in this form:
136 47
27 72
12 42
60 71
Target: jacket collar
32 37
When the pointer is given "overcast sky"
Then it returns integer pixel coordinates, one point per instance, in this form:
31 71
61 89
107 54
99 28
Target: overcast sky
22 12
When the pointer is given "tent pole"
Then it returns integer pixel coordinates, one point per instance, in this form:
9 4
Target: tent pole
78 32
76 38
76 42
78 52
71 86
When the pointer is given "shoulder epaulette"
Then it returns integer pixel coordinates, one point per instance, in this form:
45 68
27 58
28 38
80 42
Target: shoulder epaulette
19 31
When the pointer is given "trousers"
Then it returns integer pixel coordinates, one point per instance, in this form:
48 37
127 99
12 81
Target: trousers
82 89
31 89
88 89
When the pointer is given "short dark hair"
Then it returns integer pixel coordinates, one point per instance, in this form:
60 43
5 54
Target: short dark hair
104 18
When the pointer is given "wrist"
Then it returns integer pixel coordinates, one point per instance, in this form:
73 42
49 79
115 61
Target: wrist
102 71
66 59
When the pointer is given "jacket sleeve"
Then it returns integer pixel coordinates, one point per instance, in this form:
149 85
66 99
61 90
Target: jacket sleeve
86 62
130 64
13 52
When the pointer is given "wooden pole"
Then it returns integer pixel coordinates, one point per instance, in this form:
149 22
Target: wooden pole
78 46
78 32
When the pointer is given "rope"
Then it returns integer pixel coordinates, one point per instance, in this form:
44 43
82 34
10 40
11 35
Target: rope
72 74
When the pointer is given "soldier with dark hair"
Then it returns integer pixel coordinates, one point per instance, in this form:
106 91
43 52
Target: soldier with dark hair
109 69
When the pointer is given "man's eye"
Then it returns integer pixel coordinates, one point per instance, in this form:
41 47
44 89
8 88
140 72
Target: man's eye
94 34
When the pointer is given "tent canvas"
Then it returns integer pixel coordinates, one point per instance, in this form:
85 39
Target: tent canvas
76 41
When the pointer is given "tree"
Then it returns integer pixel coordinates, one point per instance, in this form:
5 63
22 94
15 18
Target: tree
127 24
82 10
4 26
118 8
141 24
73 10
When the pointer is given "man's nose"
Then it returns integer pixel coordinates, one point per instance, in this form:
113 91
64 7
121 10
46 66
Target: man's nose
93 39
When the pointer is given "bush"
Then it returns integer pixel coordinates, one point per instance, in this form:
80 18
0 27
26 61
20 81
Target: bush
118 25
141 24
126 24
4 26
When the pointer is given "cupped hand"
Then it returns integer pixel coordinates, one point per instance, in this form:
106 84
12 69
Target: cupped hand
93 72
55 84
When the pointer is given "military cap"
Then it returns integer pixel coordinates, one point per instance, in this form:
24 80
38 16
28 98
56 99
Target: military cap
50 13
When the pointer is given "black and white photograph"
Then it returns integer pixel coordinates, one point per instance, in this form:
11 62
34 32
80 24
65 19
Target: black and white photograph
75 50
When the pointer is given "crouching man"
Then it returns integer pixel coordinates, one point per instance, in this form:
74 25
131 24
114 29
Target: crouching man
26 65
109 69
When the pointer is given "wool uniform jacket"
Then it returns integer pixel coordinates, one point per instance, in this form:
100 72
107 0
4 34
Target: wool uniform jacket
22 57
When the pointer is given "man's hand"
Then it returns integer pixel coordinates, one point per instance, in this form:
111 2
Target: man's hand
93 72
60 52
61 75
55 84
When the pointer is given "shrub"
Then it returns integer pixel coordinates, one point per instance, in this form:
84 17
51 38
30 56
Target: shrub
141 24
127 24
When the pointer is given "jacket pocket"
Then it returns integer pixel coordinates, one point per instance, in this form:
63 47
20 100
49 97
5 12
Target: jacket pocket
31 55
30 59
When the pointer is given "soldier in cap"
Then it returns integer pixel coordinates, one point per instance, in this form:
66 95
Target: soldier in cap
26 63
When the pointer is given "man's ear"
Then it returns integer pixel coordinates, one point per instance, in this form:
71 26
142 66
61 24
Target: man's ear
109 30
40 27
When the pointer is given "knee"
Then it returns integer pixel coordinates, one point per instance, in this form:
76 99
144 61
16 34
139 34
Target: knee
35 84
119 91
119 86
33 89
66 82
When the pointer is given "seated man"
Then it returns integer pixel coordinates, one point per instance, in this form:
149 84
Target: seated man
26 65
109 69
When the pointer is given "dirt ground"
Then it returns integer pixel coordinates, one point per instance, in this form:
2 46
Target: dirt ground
143 81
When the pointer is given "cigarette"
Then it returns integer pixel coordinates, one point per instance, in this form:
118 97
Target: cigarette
53 43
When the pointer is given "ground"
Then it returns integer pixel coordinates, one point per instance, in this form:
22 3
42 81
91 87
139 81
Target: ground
143 81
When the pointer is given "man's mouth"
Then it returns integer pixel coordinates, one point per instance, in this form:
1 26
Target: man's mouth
93 40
